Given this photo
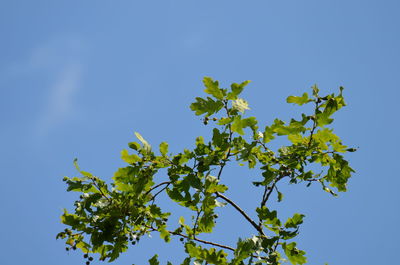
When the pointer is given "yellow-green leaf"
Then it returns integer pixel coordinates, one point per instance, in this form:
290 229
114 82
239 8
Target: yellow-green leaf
130 159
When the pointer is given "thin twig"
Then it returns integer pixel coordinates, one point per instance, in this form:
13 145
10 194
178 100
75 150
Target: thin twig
270 190
156 186
155 195
196 224
203 241
102 193
314 125
195 239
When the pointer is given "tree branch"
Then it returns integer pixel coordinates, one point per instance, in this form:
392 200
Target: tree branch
195 239
251 221
203 241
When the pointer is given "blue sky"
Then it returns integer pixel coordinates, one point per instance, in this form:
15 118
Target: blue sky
77 78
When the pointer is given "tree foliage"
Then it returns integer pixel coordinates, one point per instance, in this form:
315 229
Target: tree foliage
107 217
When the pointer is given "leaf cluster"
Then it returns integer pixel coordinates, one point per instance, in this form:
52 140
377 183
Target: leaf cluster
109 217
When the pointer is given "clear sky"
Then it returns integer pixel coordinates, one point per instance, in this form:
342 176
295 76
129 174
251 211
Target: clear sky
77 78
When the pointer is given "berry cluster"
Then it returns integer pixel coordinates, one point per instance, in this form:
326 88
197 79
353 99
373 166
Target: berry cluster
88 259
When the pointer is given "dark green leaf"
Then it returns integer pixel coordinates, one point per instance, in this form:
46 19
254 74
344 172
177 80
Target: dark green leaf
154 260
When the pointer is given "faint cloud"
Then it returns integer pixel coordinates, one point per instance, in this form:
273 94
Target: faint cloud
60 100
57 64
52 55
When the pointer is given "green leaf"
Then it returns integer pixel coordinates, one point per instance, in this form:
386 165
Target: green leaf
154 260
208 106
295 221
296 138
298 100
237 89
134 146
130 159
212 88
212 185
239 124
193 250
84 173
164 234
270 217
338 174
323 119
164 148
245 248
331 107
224 121
294 255
181 220
186 261
269 175
76 184
280 196
315 90
206 222
268 134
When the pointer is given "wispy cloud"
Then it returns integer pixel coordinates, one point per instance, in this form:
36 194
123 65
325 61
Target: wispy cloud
63 58
58 65
59 105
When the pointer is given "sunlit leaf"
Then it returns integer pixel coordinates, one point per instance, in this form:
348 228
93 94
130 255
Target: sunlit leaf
146 145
